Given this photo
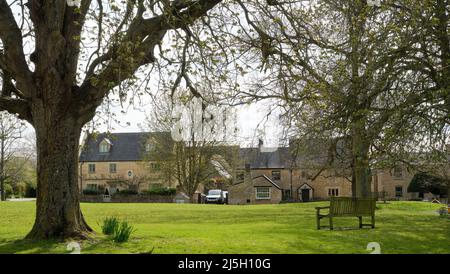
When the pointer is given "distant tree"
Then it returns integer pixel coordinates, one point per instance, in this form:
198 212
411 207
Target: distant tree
423 182
337 68
198 155
11 130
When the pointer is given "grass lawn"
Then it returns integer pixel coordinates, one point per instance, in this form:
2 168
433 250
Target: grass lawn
401 227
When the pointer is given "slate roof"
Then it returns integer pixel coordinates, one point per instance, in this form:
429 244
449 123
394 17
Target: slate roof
268 179
124 146
130 146
279 158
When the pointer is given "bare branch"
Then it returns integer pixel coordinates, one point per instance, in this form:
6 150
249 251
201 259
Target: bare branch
136 48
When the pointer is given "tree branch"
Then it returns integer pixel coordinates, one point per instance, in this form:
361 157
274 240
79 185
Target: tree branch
13 58
16 106
135 49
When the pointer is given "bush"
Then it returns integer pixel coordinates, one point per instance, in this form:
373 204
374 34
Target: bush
127 192
19 189
122 232
8 190
161 191
90 192
110 225
423 182
30 192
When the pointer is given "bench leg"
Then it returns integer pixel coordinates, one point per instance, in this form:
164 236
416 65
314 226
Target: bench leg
373 221
360 221
318 222
331 223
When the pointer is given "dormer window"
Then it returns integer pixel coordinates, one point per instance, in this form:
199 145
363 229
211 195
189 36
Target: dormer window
149 147
398 172
104 146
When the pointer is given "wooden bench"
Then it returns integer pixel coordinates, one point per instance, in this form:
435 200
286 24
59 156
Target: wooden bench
348 207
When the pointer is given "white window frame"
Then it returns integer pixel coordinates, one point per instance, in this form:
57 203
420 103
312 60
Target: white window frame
149 147
263 198
104 147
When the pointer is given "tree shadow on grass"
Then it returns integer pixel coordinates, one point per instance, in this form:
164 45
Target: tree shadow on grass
28 246
54 246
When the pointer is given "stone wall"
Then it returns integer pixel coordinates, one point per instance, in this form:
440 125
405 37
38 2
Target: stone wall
121 198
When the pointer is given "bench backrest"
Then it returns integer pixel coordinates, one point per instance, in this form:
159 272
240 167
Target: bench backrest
342 206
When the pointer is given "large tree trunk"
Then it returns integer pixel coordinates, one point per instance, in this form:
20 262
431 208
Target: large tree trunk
361 170
58 213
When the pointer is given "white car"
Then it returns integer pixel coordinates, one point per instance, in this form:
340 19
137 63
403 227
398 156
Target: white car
215 196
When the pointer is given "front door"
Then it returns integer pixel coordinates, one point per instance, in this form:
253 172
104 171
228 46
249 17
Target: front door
305 195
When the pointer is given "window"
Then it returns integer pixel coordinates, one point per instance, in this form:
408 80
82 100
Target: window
112 168
286 194
93 187
263 193
149 147
276 175
155 166
240 176
104 147
398 172
91 168
333 192
398 191
303 174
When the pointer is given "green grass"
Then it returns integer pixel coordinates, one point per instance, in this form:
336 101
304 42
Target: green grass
402 227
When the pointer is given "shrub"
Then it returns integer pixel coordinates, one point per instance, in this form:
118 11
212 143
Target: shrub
8 190
161 191
127 192
30 192
90 192
109 225
122 232
19 189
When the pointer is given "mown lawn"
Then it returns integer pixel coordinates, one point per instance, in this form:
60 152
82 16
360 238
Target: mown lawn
402 227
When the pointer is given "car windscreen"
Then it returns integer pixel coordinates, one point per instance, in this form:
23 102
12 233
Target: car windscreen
214 192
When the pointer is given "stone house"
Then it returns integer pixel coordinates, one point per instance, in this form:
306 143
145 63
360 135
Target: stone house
260 190
112 162
284 175
296 180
